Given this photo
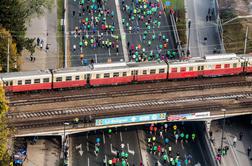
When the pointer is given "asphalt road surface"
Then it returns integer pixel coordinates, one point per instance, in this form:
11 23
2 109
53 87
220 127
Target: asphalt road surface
184 149
82 146
136 35
108 147
98 54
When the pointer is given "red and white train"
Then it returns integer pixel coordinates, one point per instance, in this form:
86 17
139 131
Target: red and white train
124 73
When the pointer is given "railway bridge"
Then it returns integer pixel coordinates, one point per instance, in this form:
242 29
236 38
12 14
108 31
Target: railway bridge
53 113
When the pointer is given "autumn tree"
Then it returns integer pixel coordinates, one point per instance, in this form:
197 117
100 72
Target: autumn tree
4 130
15 13
5 40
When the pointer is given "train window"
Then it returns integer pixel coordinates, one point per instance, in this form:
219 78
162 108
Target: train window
174 70
243 64
27 82
46 80
58 79
36 81
98 76
116 74
234 65
227 66
161 70
153 71
106 75
144 72
68 78
182 69
200 68
77 77
11 83
124 74
19 82
191 68
134 72
218 66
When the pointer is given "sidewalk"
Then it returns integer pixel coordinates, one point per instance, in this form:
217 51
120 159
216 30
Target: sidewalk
45 28
236 156
143 145
43 153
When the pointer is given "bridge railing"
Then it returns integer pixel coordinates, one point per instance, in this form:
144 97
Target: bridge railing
175 32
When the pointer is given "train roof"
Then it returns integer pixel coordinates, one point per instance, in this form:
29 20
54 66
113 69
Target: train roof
24 74
106 67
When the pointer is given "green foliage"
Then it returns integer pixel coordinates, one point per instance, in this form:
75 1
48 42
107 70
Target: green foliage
15 13
12 17
36 6
5 37
4 130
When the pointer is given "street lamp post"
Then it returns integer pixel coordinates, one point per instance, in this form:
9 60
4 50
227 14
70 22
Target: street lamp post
63 146
188 40
223 129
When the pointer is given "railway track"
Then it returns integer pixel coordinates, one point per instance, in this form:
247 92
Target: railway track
117 107
90 122
130 92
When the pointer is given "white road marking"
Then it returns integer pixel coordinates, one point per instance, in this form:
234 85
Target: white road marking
106 160
96 60
111 148
122 32
80 151
88 161
104 141
121 136
130 151
87 146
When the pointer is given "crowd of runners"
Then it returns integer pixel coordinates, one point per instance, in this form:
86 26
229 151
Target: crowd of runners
98 30
143 18
160 139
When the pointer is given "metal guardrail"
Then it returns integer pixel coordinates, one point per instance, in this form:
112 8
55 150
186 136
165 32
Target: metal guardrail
219 24
175 31
212 152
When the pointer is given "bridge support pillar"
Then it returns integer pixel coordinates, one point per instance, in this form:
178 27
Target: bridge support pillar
64 147
208 125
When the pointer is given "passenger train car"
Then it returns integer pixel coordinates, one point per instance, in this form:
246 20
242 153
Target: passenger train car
124 73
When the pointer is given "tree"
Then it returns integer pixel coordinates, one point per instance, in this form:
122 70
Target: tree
4 130
13 17
6 37
36 6
15 13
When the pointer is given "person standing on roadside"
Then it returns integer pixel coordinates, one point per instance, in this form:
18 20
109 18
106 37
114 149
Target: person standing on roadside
234 141
249 150
240 136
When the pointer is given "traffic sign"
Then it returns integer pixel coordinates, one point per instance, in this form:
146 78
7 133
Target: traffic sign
167 3
130 119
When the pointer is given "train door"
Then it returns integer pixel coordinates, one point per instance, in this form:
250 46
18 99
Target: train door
134 73
201 70
87 77
244 66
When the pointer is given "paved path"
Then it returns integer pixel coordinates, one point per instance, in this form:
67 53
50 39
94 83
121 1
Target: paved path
236 156
200 28
43 153
44 27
